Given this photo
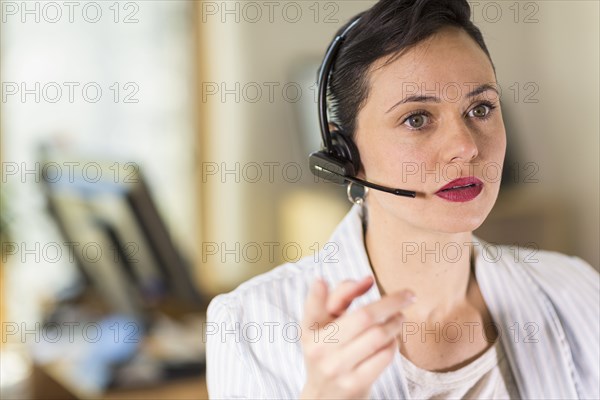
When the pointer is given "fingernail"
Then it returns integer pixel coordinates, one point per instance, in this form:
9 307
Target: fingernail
318 281
366 278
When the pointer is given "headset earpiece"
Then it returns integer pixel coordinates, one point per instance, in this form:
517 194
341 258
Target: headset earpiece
339 162
345 149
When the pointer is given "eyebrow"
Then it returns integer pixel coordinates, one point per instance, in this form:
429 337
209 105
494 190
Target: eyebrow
433 99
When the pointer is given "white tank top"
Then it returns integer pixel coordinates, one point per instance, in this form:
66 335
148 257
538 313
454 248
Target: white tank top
487 377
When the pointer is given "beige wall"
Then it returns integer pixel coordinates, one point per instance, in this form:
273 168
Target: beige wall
560 133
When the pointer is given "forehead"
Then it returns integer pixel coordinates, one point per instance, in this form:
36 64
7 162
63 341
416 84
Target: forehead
448 60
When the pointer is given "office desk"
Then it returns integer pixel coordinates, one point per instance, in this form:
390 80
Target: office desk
48 383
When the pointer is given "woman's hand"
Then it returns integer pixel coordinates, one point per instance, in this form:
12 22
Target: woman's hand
360 345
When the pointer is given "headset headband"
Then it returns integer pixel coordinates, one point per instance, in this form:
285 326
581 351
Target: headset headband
324 73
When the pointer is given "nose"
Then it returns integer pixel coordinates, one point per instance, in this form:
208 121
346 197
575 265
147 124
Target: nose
461 144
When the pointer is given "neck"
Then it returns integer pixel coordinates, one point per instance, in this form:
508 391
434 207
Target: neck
436 266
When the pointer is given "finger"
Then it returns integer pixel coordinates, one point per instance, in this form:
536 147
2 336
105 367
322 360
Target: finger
370 369
351 324
315 304
341 298
368 343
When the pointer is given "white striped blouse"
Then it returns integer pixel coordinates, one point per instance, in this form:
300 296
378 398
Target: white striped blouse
546 307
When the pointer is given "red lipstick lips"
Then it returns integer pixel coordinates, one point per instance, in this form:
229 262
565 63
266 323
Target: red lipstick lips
461 189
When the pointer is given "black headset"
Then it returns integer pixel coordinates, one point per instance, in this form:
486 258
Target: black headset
339 160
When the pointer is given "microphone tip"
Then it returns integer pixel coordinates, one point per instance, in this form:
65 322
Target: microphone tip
407 193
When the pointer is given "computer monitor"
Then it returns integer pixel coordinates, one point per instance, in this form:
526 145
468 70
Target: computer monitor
124 248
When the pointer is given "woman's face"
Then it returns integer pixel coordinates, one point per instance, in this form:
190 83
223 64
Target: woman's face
453 130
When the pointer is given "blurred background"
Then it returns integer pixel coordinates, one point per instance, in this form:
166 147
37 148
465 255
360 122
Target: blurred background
154 154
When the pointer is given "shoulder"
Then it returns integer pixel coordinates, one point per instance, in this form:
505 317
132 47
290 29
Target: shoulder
572 286
559 274
565 286
249 328
552 271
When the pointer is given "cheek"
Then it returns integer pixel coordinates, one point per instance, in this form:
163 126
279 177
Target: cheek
403 165
493 150
493 146
501 146
416 163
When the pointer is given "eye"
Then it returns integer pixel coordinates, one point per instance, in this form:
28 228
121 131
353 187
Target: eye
416 121
481 111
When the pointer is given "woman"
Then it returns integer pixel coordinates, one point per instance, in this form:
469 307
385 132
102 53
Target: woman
419 306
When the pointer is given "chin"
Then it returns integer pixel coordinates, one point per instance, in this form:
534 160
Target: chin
462 225
466 219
